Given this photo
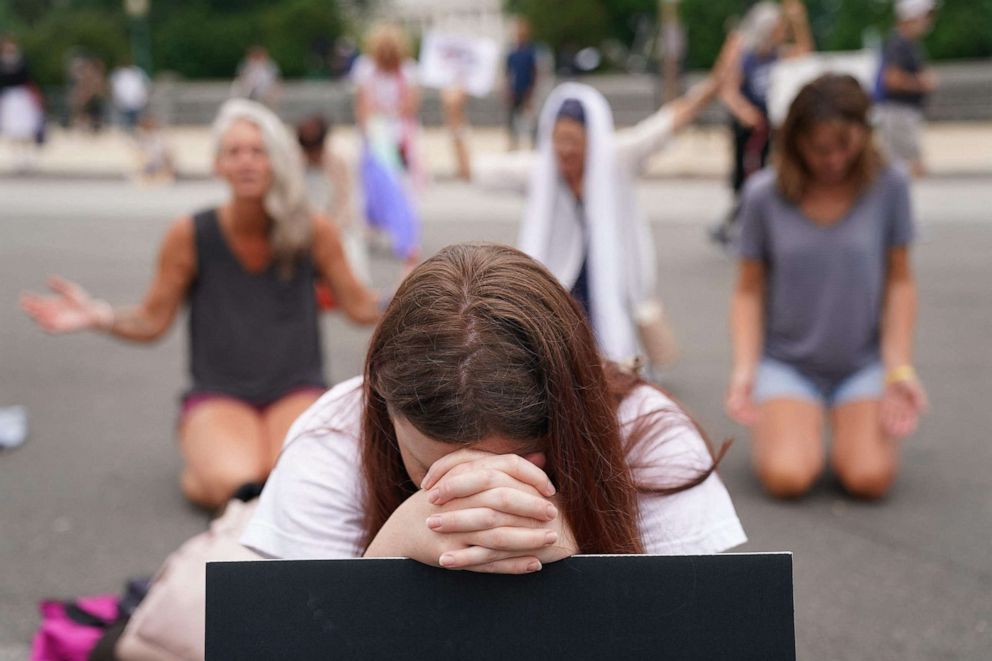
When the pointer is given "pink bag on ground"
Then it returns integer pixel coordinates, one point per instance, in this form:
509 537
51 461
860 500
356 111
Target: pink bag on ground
70 629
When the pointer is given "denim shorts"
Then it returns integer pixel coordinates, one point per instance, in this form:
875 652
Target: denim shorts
776 379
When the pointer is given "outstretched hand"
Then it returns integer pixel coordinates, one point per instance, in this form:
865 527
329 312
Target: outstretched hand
71 309
728 59
687 107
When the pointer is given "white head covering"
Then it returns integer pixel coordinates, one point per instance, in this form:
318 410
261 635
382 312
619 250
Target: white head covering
620 252
909 9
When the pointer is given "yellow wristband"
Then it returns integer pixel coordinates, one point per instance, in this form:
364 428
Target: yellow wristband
900 374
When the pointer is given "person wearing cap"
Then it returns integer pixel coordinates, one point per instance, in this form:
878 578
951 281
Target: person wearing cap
581 218
904 82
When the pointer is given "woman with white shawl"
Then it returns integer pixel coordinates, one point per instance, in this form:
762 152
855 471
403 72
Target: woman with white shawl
581 219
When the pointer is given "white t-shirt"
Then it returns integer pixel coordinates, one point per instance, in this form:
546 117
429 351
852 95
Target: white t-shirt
311 507
129 86
385 89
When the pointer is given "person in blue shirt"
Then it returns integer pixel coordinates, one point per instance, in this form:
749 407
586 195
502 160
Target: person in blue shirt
521 80
904 82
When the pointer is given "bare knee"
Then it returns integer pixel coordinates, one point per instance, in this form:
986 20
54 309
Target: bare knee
787 477
867 481
212 488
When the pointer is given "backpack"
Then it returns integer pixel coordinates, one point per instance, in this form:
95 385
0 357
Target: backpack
71 629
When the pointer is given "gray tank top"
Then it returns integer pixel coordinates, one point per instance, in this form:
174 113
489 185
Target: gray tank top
253 336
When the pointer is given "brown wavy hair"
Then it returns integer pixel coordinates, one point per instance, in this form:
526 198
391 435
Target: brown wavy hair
829 98
481 340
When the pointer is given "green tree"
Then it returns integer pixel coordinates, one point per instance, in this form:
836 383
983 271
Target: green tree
60 33
963 28
566 23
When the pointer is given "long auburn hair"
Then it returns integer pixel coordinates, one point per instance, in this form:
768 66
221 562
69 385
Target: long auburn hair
829 98
481 340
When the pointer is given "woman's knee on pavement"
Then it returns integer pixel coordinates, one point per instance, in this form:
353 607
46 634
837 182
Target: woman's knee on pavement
870 480
788 467
788 454
864 460
788 476
212 485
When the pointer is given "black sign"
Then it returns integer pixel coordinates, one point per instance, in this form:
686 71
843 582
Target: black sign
736 606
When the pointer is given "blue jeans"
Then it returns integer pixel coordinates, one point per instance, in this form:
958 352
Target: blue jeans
776 379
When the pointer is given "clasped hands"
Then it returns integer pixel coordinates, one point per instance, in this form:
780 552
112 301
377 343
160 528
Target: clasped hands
481 512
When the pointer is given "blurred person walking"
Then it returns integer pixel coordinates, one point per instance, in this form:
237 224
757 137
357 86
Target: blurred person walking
387 106
771 33
258 78
824 308
521 81
87 94
904 82
247 271
129 90
156 163
582 219
22 117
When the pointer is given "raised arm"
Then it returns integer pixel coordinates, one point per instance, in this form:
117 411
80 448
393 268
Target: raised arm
897 79
359 303
636 144
798 23
746 113
73 309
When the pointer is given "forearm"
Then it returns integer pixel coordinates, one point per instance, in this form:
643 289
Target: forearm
396 539
897 80
362 306
742 109
132 323
898 321
746 328
802 38
687 107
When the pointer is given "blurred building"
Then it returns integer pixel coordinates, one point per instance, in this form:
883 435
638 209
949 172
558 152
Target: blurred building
477 17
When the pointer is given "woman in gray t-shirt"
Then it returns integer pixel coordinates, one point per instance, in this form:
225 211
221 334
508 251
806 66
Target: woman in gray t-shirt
824 307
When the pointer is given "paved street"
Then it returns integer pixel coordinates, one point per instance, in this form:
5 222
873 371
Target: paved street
92 498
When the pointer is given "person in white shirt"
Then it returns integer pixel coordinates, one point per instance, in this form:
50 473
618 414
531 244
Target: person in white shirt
489 434
129 88
258 78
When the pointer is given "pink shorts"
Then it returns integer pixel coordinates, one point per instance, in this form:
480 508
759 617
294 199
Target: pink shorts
193 400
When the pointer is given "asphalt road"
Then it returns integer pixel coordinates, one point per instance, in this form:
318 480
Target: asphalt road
92 498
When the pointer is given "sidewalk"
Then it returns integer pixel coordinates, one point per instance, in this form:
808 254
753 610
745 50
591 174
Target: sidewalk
951 149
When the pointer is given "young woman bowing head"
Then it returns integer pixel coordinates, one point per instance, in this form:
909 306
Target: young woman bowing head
824 309
489 434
